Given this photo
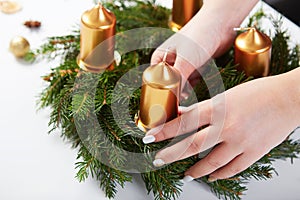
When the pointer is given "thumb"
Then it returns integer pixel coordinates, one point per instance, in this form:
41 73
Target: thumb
159 54
185 68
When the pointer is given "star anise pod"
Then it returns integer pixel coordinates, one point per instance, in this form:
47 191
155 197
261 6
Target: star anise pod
32 24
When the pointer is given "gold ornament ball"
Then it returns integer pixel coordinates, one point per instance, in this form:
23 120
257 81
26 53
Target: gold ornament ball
19 46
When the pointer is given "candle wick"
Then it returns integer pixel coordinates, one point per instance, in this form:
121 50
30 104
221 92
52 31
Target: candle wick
166 54
255 24
243 29
100 3
236 29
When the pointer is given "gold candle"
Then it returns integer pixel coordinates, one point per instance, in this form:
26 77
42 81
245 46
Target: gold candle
253 53
159 96
97 25
183 11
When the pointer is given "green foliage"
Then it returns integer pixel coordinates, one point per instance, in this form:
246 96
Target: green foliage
73 100
67 46
256 18
141 15
283 58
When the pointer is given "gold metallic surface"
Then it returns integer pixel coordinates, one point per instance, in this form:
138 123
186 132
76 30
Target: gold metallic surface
19 46
183 11
253 53
160 96
97 25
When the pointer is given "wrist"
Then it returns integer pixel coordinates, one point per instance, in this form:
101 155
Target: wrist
224 18
203 38
291 94
205 30
294 87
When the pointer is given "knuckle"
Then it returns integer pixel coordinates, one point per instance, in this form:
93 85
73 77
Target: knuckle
193 146
234 170
182 123
214 163
163 134
168 155
226 173
204 108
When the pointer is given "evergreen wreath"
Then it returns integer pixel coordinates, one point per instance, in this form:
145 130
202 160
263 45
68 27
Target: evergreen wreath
66 103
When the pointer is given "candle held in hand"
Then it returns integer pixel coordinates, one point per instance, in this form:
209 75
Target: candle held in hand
159 96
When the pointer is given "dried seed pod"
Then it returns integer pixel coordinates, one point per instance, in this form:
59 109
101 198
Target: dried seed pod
32 24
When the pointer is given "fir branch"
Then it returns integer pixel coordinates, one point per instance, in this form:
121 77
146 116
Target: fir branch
140 14
108 178
162 186
258 171
285 55
255 19
289 149
228 189
65 46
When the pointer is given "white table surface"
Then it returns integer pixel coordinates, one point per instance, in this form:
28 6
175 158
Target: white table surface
38 166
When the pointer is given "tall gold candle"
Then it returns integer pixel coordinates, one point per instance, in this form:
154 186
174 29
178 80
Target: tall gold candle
253 53
183 11
97 25
159 96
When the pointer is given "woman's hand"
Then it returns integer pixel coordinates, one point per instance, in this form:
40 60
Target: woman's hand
243 124
209 34
188 52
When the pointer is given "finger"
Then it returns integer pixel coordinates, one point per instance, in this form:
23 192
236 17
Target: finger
185 68
198 115
189 60
236 166
217 158
190 146
195 77
159 54
186 90
184 109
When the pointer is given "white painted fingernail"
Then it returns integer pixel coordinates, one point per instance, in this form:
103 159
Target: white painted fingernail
187 179
212 179
148 139
182 109
158 163
185 95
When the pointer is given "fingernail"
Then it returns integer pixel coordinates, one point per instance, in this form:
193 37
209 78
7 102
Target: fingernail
182 109
185 95
187 179
212 179
158 163
148 139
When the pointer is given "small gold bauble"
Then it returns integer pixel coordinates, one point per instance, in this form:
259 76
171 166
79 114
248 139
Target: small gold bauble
19 46
10 7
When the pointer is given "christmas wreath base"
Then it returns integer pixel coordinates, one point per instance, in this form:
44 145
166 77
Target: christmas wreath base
70 106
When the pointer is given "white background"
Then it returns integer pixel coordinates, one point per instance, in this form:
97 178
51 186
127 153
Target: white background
38 166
